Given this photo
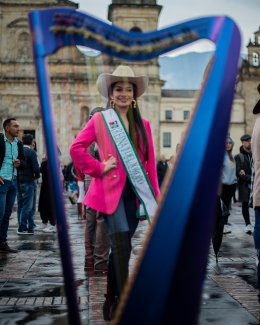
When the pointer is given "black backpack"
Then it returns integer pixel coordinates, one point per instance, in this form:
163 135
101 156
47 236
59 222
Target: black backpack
242 159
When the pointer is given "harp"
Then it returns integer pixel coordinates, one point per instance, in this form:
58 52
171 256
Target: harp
179 239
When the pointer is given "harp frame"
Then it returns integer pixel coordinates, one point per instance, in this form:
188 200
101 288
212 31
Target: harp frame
177 226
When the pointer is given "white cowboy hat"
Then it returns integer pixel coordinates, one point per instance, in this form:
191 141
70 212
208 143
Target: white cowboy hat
122 73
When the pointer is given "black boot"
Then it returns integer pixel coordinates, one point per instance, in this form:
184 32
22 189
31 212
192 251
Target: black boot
118 266
79 210
110 295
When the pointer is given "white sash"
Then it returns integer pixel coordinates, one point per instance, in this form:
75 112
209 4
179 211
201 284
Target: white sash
131 162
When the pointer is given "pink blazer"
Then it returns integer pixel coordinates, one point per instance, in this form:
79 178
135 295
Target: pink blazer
105 189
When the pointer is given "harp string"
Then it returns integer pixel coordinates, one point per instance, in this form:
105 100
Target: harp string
93 67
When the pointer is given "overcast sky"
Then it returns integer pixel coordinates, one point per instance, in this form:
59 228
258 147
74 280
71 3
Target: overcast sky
246 13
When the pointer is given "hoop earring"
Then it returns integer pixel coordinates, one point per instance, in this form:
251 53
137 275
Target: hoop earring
133 103
112 103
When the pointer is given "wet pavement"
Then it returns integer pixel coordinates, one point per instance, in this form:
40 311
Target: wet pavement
230 290
32 290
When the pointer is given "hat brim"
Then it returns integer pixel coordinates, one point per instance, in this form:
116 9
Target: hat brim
105 80
256 109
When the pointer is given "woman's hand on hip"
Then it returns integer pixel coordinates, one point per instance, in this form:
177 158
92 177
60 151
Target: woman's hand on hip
111 163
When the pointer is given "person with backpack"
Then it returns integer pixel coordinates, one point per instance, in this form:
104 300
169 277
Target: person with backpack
26 188
244 163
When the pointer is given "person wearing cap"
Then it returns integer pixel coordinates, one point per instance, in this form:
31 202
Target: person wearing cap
256 183
228 178
244 163
124 184
97 240
26 188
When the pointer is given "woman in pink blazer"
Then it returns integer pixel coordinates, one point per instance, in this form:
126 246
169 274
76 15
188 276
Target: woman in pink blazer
110 191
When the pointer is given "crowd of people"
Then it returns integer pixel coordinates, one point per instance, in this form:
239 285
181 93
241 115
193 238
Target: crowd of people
236 176
20 171
111 157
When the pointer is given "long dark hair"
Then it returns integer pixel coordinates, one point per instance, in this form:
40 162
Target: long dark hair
136 127
35 148
231 158
229 152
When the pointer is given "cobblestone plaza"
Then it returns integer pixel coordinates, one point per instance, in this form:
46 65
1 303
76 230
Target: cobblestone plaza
32 289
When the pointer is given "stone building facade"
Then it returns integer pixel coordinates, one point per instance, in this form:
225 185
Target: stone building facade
176 108
19 95
72 74
250 79
141 16
176 105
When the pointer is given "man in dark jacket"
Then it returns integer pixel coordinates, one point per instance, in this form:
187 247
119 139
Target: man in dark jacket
11 160
162 167
244 162
26 188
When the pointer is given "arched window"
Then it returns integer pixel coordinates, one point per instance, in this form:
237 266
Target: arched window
24 46
136 29
84 116
255 59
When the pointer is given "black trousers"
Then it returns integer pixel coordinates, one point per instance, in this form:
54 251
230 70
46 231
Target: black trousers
48 216
245 212
226 195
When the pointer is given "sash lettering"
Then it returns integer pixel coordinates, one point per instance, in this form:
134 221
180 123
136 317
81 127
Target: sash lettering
131 163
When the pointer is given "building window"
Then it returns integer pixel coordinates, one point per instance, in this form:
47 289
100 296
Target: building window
168 115
84 116
24 46
186 115
32 132
167 140
255 59
258 39
136 29
22 132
